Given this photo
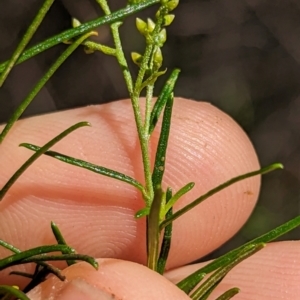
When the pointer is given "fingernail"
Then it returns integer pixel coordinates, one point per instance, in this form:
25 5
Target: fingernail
79 289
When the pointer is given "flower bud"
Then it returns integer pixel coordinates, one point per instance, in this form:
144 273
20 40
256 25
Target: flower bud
171 5
136 58
162 37
141 25
157 58
151 25
168 19
75 23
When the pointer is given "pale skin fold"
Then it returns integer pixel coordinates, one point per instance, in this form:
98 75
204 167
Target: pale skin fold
95 213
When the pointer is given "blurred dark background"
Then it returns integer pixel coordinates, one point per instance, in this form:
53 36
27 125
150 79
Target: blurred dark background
241 55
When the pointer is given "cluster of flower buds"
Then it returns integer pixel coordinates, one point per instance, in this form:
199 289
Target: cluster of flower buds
154 32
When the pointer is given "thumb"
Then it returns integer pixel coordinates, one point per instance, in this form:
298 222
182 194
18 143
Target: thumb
115 279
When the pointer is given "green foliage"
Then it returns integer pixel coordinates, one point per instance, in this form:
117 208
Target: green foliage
158 209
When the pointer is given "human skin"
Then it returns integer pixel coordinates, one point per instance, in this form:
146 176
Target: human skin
95 213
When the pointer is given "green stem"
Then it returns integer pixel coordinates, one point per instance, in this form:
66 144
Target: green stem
82 29
153 230
134 92
40 85
26 38
149 96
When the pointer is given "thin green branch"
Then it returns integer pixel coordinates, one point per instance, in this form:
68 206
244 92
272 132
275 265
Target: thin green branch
218 189
92 46
37 154
16 115
82 29
26 38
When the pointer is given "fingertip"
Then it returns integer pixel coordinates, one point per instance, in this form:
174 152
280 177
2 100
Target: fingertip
115 279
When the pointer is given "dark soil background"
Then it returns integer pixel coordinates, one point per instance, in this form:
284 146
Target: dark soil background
241 55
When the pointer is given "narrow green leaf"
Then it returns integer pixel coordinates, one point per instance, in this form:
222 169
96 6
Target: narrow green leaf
142 212
88 166
36 155
23 274
61 241
19 111
153 229
26 38
18 257
47 267
9 247
179 194
10 290
161 150
162 99
222 272
151 80
218 189
187 284
190 282
166 242
209 291
70 256
82 29
229 294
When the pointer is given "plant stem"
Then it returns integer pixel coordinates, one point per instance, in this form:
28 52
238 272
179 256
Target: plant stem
134 92
26 38
82 29
41 83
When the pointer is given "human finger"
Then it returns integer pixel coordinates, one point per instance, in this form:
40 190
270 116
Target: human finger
96 213
272 273
115 279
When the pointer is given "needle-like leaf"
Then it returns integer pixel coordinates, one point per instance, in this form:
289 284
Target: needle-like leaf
178 195
218 189
49 268
17 257
162 99
161 150
82 29
13 291
26 38
153 229
188 283
19 111
166 242
36 155
61 241
88 166
222 272
229 294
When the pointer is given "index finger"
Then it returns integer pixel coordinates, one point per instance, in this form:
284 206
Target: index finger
96 213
